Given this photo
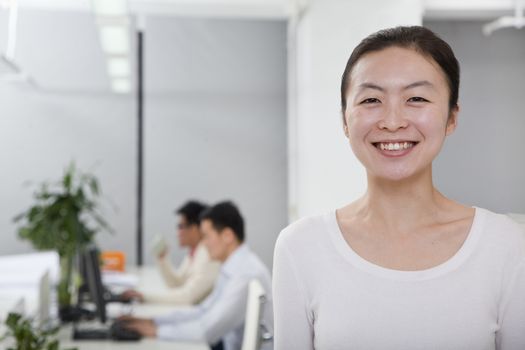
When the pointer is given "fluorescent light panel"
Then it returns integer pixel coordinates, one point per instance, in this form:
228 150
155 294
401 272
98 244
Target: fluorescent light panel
121 85
119 66
110 7
6 3
115 40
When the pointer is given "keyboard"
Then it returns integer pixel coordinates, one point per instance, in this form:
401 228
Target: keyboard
116 331
110 297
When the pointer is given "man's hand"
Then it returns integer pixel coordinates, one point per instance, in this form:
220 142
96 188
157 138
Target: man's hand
146 327
132 294
129 318
162 254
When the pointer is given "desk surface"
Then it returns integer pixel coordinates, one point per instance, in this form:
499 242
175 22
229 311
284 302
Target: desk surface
149 344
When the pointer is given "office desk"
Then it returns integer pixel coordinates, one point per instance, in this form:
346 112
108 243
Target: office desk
148 276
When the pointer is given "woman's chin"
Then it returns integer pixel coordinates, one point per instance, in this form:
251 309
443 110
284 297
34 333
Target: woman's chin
394 175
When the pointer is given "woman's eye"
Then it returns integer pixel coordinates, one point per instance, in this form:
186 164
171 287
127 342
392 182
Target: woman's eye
370 100
417 99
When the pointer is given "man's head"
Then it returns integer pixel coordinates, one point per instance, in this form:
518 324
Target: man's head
222 227
188 223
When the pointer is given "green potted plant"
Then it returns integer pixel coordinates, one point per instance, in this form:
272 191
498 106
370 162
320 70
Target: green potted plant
22 334
64 218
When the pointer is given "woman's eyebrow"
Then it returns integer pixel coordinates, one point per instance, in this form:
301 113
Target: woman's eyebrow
364 86
419 83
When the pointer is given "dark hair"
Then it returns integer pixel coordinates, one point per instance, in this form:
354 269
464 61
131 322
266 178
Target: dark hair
223 215
191 210
422 40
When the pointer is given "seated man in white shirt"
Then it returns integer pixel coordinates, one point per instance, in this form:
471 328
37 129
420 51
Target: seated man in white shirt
195 277
219 319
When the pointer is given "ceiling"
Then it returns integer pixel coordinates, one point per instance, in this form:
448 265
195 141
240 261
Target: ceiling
58 46
190 45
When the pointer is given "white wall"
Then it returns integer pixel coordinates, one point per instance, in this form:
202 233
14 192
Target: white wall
326 174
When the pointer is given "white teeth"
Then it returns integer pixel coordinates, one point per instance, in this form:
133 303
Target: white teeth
395 146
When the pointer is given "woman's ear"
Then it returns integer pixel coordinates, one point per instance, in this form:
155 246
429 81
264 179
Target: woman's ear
452 121
345 124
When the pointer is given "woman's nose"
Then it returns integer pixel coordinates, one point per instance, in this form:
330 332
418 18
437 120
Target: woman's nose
393 119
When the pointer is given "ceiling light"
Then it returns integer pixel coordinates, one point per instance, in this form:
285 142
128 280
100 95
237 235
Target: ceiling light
6 3
115 39
121 85
517 21
110 7
119 67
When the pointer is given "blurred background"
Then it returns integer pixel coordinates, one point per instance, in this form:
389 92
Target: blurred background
240 101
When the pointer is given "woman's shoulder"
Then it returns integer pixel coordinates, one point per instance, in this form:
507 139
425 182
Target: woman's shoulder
503 232
306 230
502 225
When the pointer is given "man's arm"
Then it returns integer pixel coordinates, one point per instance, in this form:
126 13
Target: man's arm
196 287
173 277
219 315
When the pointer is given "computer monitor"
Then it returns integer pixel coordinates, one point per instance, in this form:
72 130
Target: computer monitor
91 265
84 291
44 301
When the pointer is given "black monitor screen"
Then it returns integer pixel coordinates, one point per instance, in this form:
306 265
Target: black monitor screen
94 281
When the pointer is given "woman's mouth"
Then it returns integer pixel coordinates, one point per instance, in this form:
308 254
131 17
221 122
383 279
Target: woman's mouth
394 146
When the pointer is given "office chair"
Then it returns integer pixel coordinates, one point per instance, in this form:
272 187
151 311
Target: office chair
255 331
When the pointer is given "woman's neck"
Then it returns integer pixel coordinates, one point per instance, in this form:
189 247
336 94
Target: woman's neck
399 206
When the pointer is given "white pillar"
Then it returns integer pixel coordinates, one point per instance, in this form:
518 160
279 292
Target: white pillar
324 174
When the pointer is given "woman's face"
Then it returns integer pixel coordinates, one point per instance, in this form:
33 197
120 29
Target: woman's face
397 113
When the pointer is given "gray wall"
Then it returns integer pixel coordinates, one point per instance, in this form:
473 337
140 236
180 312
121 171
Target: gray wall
215 125
483 163
214 148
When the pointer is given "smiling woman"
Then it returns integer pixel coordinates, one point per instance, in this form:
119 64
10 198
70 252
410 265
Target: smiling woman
389 91
402 267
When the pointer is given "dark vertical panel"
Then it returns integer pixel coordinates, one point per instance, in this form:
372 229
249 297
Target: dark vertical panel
140 146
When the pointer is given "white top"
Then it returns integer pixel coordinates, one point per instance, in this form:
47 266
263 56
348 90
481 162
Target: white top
328 297
190 283
221 314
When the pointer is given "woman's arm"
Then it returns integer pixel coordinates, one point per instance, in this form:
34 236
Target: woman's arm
511 334
293 321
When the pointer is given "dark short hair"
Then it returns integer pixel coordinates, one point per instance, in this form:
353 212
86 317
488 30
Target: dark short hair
225 214
420 39
191 210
